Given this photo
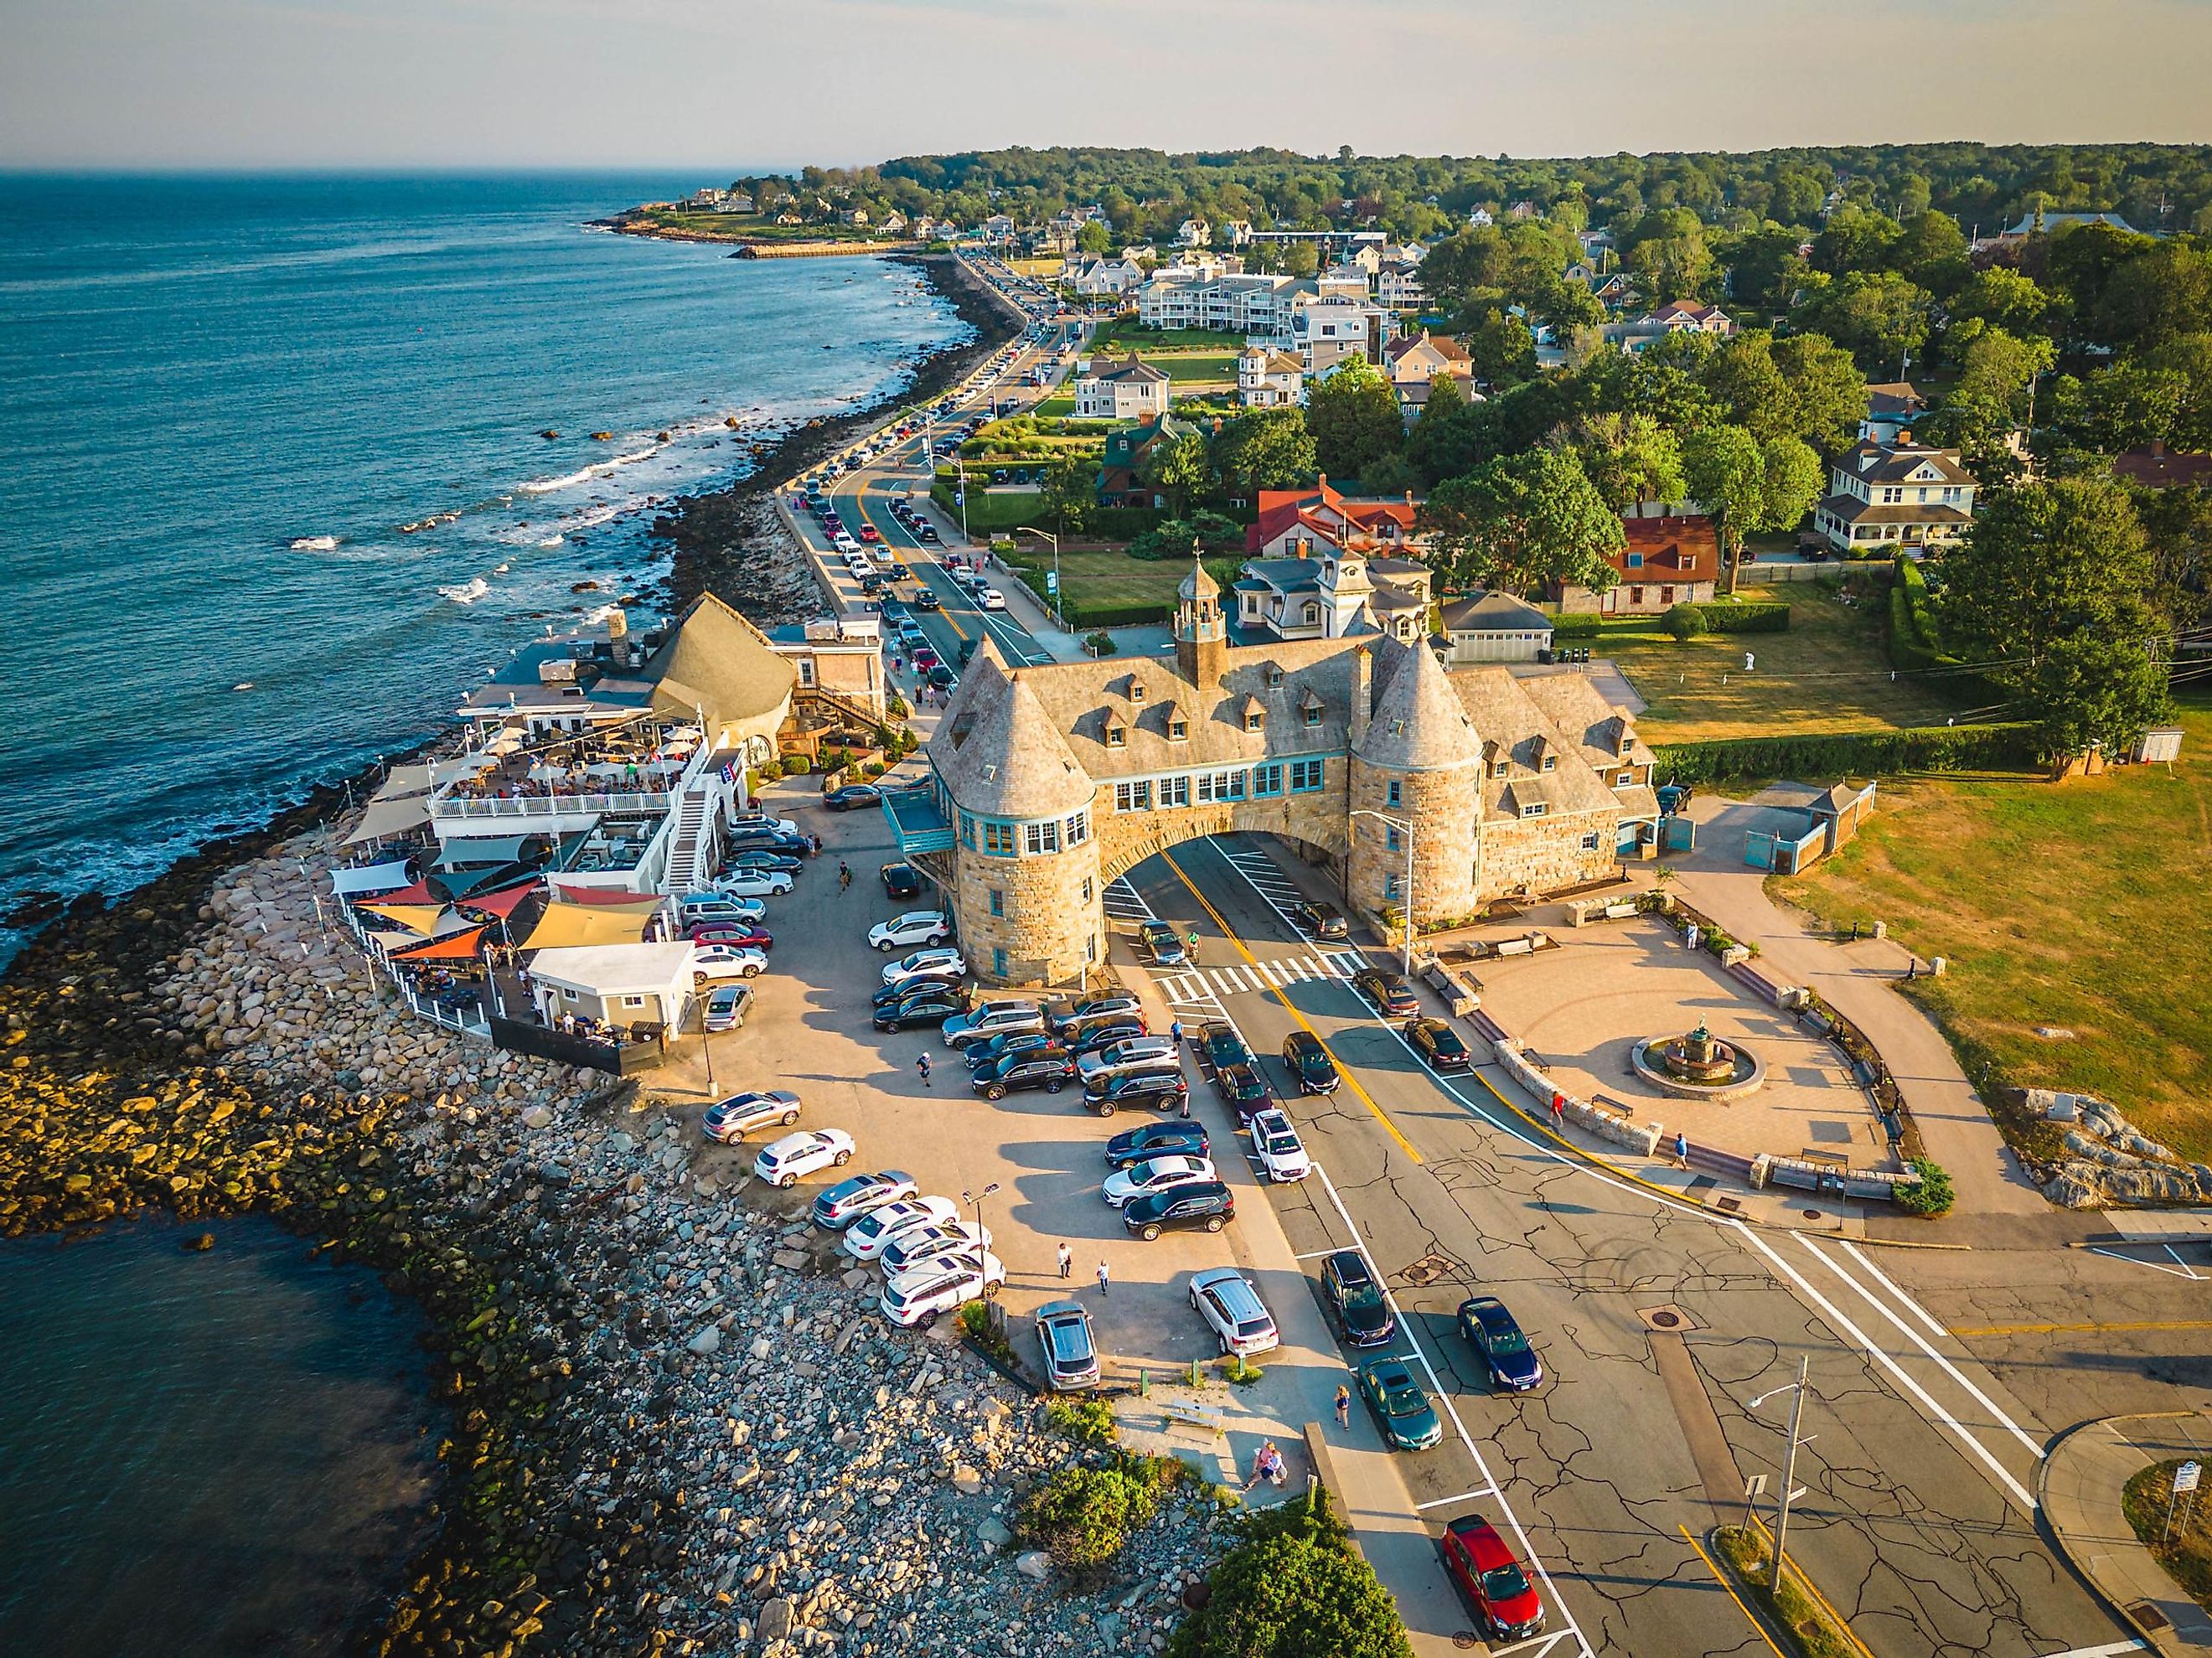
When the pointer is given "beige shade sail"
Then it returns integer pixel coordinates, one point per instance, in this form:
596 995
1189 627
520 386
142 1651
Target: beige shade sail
419 919
569 925
384 819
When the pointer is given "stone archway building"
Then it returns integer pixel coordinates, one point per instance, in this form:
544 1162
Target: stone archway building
1052 781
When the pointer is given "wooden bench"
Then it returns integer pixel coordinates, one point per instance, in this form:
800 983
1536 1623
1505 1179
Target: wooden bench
1209 1416
1834 1160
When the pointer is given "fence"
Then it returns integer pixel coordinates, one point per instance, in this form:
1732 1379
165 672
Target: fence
1774 573
550 805
468 1021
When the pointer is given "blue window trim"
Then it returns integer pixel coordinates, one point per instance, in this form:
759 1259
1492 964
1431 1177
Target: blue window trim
1308 776
1267 779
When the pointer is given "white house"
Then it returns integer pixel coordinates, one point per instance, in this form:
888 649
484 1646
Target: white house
1479 218
1130 390
614 984
1270 380
1328 331
1103 278
1888 496
1194 232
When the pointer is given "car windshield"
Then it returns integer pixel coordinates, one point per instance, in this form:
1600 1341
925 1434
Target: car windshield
1362 1295
1499 1332
1505 1583
1403 1399
1282 1140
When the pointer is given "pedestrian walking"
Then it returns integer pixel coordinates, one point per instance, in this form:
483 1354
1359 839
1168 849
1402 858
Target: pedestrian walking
1174 1030
844 875
1066 1262
1105 1278
1559 1112
1343 1406
921 1066
1682 1148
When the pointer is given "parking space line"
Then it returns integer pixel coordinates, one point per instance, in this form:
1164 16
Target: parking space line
1314 1254
1481 1465
1534 1647
1447 1502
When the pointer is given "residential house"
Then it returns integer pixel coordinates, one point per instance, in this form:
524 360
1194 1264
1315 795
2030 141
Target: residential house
839 656
854 216
1298 523
998 227
1398 285
1479 217
1194 232
708 200
1101 278
736 201
1130 389
2041 223
1414 361
935 230
1270 380
1493 627
1892 410
1329 331
1201 294
1665 562
1595 243
1888 495
1332 594
1524 210
1118 483
2155 466
894 223
789 217
1676 317
1239 232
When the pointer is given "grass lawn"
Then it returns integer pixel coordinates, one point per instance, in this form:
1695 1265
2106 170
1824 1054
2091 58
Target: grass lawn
2074 907
751 228
1127 333
1100 577
1212 367
1826 674
1059 402
2186 1553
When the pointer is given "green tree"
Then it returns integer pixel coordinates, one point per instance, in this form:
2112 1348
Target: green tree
2177 524
1266 449
2004 299
1628 459
1301 260
1749 486
1068 492
2053 585
1522 522
2161 294
1879 317
2124 407
1750 388
1176 466
2188 357
1352 413
1855 238
1293 1588
1501 349
1093 238
1669 256
1830 393
1999 365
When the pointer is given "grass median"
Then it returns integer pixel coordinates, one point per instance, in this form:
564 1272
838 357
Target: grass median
2183 1547
1749 1560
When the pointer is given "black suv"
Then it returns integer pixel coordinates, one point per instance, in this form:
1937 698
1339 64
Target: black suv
1049 1068
1157 1139
1163 1091
931 1005
1245 1088
1356 1299
1222 1046
1438 1045
946 978
1204 1205
1323 921
902 880
1089 1035
1309 1063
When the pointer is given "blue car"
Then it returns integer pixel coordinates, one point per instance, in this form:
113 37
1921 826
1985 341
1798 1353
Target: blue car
1157 1139
1495 1337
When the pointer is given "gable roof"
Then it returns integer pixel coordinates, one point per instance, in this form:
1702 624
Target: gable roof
716 660
1686 547
1894 463
2161 468
1480 612
1135 372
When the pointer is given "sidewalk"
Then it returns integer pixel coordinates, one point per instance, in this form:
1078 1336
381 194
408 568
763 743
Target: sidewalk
1298 1389
1856 980
2079 1488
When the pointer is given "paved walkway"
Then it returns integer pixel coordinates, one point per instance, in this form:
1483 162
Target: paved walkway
2080 1481
1856 980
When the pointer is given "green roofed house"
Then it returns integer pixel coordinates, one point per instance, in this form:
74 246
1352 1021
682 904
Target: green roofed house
1125 448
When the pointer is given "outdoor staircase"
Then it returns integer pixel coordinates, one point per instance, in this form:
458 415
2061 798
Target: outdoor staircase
690 830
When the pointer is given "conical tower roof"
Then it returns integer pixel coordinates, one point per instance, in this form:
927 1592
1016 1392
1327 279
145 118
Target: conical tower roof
1198 584
1420 723
999 753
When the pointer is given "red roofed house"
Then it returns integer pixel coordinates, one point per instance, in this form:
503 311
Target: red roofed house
2158 467
1299 522
1666 561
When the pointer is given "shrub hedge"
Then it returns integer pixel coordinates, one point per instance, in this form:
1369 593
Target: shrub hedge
1852 753
1759 616
1914 641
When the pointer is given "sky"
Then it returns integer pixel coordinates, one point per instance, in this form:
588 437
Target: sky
733 86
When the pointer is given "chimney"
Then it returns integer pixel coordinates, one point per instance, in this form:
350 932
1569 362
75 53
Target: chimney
1363 694
617 623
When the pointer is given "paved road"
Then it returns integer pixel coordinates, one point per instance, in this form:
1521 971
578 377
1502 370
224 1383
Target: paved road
1918 1520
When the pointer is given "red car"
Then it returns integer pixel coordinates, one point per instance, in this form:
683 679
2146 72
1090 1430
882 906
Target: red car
925 658
735 934
1496 1588
868 534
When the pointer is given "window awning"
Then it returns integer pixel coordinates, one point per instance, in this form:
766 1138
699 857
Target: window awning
373 877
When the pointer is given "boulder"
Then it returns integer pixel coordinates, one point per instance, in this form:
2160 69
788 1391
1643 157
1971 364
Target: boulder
708 1341
1034 1564
994 1534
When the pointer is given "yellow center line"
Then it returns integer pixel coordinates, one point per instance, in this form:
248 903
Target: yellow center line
861 500
1728 1589
1796 1574
1343 1069
2054 1329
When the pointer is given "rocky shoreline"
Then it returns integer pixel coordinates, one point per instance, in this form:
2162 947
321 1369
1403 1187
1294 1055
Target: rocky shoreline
676 1426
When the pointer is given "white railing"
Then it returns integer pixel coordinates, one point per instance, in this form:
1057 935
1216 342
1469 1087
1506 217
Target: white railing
546 805
467 1021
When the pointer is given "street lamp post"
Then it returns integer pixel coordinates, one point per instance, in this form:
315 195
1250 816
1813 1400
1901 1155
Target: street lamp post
1789 1464
975 1199
1032 530
1403 827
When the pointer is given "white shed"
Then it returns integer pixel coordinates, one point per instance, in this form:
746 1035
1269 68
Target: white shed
614 984
2159 743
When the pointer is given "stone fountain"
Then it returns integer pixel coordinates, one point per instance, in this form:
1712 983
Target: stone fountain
1698 1066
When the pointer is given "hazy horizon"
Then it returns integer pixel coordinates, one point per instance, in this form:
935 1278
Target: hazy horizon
623 86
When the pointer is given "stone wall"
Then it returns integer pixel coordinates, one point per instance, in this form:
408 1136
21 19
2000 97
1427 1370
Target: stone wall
1546 853
1445 808
1046 927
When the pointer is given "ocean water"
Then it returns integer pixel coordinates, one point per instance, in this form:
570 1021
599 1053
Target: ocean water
202 1455
223 404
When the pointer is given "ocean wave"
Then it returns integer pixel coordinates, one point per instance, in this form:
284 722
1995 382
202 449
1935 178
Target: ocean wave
315 543
466 593
596 470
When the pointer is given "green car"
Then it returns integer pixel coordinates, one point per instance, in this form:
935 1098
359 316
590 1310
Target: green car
1408 1421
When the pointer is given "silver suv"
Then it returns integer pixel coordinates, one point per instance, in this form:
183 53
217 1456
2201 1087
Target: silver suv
991 1018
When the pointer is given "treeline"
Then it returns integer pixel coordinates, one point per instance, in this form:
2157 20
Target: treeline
1147 192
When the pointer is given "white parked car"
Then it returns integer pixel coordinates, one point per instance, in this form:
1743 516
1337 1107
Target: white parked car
1275 1142
782 1162
919 1243
761 820
1225 1299
846 544
990 598
713 963
1153 1175
756 882
990 1019
916 926
925 964
918 1296
717 907
868 1237
1129 1052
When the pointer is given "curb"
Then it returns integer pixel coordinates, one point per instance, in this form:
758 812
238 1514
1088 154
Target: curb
2082 1573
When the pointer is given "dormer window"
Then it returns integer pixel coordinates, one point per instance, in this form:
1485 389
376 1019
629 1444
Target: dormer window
1178 729
1136 691
1255 716
1117 734
1274 678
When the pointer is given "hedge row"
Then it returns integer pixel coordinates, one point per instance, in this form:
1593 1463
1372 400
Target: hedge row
1850 754
1751 616
1913 640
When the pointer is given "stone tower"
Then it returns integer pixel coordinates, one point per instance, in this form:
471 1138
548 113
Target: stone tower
1201 630
1418 761
1026 883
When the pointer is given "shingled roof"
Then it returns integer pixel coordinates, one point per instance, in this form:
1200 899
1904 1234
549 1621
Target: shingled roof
999 753
1419 724
715 660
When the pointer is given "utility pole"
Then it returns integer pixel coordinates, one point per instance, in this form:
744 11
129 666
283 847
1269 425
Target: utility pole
1788 1476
